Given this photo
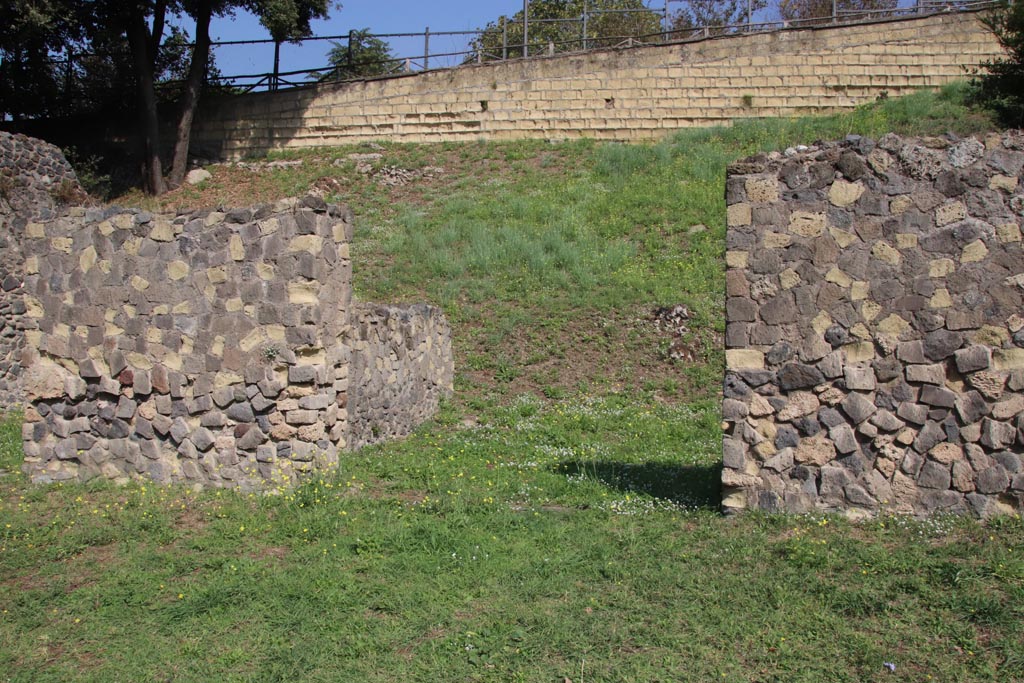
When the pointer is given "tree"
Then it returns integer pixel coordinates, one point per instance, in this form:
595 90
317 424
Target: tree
1002 88
35 30
363 57
31 80
559 22
815 12
286 19
714 17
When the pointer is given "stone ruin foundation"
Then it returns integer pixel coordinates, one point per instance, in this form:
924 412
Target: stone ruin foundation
215 348
875 328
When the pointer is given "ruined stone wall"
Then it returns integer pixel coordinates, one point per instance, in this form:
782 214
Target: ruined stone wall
210 347
875 327
639 93
395 344
175 347
33 176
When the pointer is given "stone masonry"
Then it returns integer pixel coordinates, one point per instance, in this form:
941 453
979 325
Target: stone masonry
638 93
217 348
33 174
875 327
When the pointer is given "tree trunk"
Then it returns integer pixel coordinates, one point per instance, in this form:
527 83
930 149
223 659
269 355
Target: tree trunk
138 38
157 34
193 88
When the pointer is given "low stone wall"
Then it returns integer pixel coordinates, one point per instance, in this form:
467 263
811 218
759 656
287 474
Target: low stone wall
401 368
33 176
211 347
875 328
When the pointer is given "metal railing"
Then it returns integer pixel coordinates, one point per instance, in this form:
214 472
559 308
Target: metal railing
753 20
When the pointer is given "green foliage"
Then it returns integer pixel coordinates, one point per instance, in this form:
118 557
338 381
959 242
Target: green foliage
285 19
10 442
363 56
38 80
811 12
1002 88
714 15
605 27
30 82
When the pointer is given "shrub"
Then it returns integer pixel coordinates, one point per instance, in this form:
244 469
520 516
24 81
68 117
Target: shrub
1002 88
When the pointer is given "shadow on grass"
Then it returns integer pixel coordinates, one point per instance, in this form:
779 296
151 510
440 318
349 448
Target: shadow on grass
689 485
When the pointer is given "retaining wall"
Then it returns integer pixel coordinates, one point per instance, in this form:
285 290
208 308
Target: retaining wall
638 93
875 328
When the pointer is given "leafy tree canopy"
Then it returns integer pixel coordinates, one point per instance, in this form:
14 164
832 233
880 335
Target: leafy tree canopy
364 56
607 25
1002 87
811 12
130 43
713 16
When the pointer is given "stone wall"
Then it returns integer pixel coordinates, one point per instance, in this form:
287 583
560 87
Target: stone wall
34 175
638 93
395 343
875 327
212 348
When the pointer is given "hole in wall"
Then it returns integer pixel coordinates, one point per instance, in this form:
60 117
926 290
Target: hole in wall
483 105
609 103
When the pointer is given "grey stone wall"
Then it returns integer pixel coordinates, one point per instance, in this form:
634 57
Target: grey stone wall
210 347
401 368
875 327
33 174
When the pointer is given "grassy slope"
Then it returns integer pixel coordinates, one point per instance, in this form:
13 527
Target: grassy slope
558 520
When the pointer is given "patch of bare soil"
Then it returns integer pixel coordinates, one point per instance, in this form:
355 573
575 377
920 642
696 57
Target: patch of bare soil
378 489
272 552
619 351
398 172
191 520
408 652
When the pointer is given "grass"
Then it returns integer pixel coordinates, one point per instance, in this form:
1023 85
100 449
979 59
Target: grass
571 539
559 519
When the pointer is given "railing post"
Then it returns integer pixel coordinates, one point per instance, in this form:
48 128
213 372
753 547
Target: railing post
426 49
526 28
504 37
348 57
835 11
277 64
586 21
750 14
668 22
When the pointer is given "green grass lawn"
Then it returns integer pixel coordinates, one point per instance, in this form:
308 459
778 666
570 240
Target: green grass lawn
559 519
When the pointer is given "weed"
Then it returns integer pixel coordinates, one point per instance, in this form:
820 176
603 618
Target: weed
67 193
10 442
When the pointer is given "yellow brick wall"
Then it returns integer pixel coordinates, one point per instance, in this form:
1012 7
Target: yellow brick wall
637 93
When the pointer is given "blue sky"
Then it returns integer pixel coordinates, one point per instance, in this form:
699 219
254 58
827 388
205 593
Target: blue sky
382 16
